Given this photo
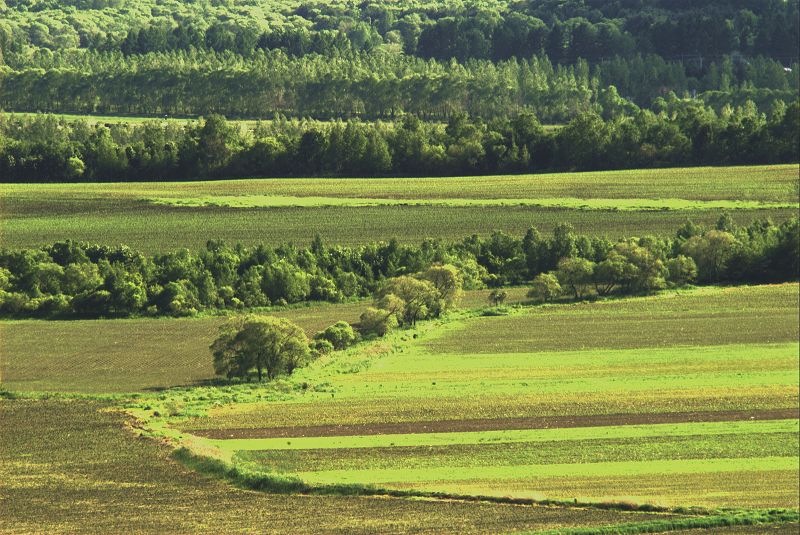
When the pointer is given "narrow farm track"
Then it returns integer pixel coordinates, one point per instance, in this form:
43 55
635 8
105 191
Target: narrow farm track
492 424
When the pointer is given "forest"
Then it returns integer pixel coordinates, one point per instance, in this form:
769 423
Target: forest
683 133
326 60
70 279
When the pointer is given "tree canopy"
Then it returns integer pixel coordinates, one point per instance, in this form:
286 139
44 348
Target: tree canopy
269 345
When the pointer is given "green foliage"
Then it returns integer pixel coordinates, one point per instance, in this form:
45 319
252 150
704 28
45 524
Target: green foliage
376 322
545 287
418 299
322 346
448 282
711 252
576 274
436 58
690 134
272 346
340 335
75 168
409 282
682 270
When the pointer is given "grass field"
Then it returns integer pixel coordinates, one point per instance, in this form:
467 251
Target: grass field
682 398
678 399
131 355
158 216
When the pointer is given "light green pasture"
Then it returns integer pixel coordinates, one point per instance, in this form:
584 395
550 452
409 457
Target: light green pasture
410 373
531 472
764 183
511 436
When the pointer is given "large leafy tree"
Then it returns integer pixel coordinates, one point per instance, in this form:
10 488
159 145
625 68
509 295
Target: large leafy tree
269 345
419 298
447 280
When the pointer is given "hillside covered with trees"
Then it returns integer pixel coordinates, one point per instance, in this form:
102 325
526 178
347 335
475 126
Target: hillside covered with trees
432 58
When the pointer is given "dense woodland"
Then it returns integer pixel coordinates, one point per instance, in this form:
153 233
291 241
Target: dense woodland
370 85
259 58
442 29
683 132
70 279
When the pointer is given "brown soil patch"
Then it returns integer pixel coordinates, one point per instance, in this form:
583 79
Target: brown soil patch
490 424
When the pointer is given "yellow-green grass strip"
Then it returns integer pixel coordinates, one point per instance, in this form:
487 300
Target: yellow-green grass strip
524 385
561 452
768 488
594 363
664 467
511 436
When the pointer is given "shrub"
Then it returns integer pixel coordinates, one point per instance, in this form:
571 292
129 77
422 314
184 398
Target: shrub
682 270
341 335
545 287
322 346
576 274
270 345
497 297
13 303
178 298
376 322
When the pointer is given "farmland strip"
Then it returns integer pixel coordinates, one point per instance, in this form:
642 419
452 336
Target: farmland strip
491 424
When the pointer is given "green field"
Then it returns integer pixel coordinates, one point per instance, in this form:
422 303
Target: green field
130 355
677 399
708 316
154 217
593 402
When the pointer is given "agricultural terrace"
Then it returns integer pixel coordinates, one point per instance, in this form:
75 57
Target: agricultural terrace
153 217
132 355
70 461
683 398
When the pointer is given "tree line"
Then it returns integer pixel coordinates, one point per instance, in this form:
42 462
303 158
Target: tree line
371 85
409 282
683 132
